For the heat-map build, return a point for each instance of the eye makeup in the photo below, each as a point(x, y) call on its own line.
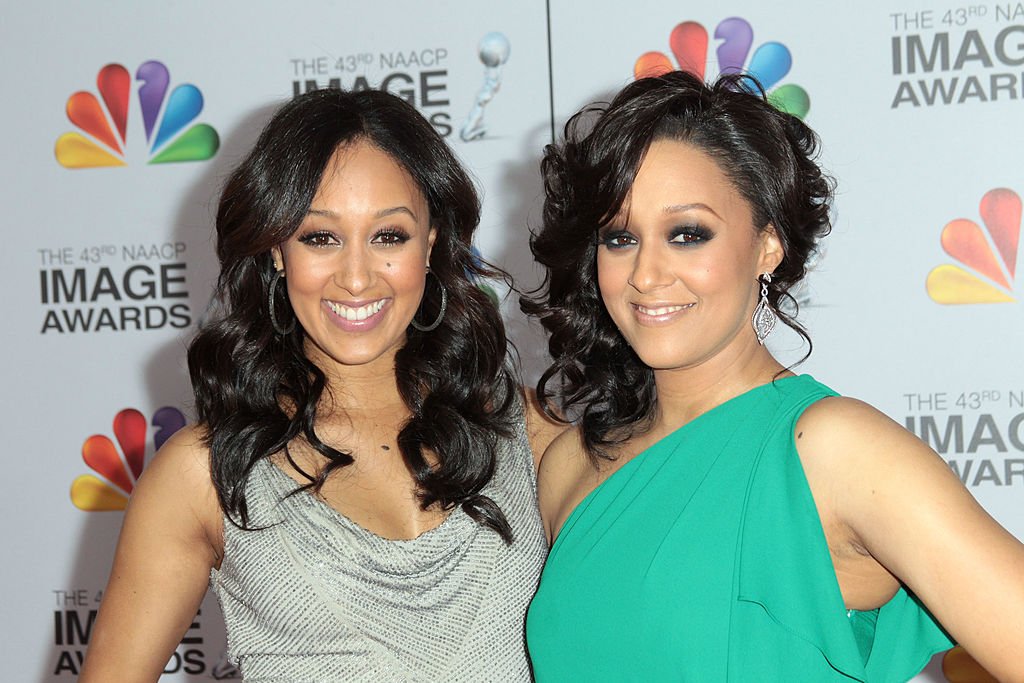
point(318, 238)
point(615, 238)
point(690, 234)
point(388, 236)
point(391, 236)
point(680, 235)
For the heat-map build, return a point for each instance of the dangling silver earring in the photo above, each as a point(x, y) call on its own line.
point(281, 330)
point(440, 314)
point(764, 317)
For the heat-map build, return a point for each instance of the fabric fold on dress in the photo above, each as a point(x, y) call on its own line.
point(780, 522)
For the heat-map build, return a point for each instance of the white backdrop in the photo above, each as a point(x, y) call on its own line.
point(109, 268)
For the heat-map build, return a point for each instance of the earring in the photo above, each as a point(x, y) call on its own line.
point(440, 314)
point(282, 331)
point(764, 317)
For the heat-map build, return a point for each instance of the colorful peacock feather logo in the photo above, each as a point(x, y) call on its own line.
point(166, 120)
point(987, 256)
point(89, 492)
point(769, 64)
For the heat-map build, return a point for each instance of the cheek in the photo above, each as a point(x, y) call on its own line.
point(719, 271)
point(612, 277)
point(308, 275)
point(707, 278)
point(405, 272)
point(728, 286)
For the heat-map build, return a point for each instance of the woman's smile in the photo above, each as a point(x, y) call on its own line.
point(657, 314)
point(357, 316)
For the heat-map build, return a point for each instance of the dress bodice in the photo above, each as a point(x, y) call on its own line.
point(312, 596)
point(703, 559)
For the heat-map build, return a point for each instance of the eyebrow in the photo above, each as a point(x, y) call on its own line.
point(679, 208)
point(383, 213)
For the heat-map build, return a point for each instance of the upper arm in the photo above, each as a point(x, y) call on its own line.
point(915, 517)
point(170, 538)
point(540, 428)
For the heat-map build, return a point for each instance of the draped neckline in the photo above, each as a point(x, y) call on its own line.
point(667, 440)
point(283, 479)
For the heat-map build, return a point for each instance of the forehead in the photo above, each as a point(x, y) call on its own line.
point(674, 174)
point(359, 174)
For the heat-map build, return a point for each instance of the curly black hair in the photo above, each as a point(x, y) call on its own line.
point(768, 155)
point(456, 380)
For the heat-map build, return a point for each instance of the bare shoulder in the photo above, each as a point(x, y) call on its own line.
point(178, 478)
point(856, 457)
point(540, 427)
point(182, 464)
point(837, 416)
point(566, 475)
point(848, 438)
point(564, 456)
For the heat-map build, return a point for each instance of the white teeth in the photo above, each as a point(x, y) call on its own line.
point(359, 313)
point(664, 310)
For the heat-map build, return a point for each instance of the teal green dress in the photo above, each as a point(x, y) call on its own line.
point(703, 559)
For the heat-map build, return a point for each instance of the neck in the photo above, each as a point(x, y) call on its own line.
point(357, 392)
point(686, 393)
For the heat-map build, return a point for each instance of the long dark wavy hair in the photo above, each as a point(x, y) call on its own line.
point(456, 379)
point(768, 155)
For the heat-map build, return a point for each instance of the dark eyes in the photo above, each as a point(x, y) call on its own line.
point(690, 234)
point(391, 236)
point(318, 239)
point(616, 239)
point(385, 237)
point(681, 235)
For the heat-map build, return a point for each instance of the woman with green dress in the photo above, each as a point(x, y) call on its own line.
point(713, 516)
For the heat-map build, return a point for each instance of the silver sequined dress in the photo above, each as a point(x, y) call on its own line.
point(315, 597)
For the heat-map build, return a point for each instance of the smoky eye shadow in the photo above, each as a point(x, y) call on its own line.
point(698, 231)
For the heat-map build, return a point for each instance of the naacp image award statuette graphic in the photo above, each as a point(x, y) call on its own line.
point(494, 52)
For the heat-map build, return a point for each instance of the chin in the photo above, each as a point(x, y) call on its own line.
point(348, 354)
point(664, 359)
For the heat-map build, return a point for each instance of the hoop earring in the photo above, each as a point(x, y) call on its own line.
point(440, 314)
point(764, 317)
point(282, 331)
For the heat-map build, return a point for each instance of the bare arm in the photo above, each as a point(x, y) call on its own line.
point(170, 539)
point(911, 513)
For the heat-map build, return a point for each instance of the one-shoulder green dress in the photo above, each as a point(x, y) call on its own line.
point(703, 559)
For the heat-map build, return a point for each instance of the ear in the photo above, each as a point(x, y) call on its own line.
point(431, 238)
point(771, 251)
point(278, 258)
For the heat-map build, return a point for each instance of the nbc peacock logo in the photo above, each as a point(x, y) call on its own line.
point(119, 470)
point(986, 256)
point(167, 118)
point(769, 63)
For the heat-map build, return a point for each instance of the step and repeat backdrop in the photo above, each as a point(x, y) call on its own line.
point(126, 117)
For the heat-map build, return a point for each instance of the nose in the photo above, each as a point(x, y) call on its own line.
point(354, 272)
point(650, 269)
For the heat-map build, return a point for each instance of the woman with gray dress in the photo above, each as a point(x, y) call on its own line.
point(359, 489)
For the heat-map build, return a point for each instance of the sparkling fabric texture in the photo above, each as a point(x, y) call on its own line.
point(316, 597)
